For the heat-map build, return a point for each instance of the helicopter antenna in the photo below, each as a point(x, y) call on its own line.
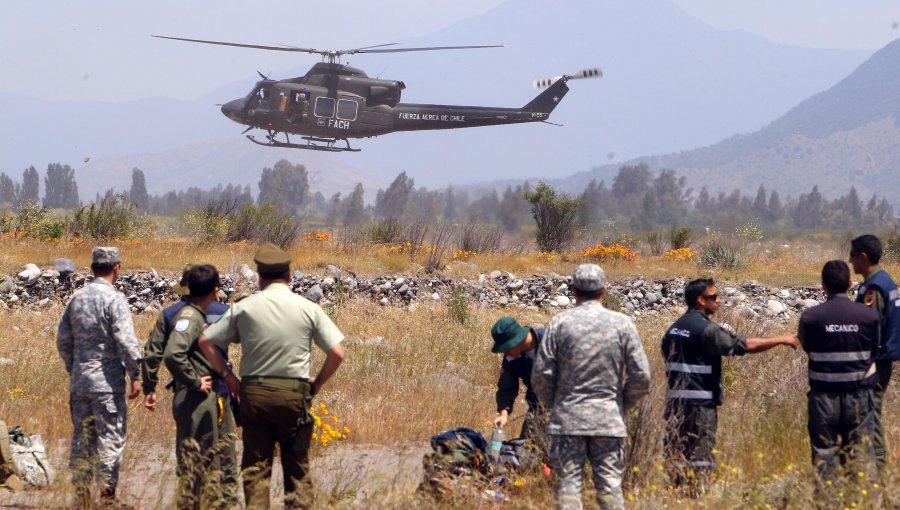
point(263, 76)
point(381, 72)
point(333, 56)
point(594, 72)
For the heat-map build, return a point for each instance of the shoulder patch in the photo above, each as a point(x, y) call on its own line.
point(182, 325)
point(869, 298)
point(187, 312)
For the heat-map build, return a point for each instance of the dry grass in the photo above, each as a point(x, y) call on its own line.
point(412, 373)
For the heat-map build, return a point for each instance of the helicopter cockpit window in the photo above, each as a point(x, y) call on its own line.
point(347, 109)
point(263, 94)
point(324, 107)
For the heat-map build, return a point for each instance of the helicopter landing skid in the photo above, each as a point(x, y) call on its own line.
point(309, 145)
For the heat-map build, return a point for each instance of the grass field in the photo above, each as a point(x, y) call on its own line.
point(413, 373)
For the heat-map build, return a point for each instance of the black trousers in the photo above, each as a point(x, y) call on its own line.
point(690, 440)
point(841, 428)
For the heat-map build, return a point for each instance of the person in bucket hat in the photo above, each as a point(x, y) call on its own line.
point(519, 345)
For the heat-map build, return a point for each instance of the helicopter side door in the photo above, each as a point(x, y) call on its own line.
point(335, 114)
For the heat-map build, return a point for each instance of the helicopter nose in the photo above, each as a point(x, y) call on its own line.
point(233, 109)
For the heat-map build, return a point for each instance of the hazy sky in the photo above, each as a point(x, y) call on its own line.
point(101, 49)
point(844, 24)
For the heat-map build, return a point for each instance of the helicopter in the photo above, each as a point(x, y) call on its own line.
point(334, 102)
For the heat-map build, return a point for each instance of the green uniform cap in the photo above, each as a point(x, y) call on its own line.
point(507, 333)
point(272, 259)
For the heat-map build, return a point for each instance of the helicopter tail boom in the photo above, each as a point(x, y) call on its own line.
point(547, 100)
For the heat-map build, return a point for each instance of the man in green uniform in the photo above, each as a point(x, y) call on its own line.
point(208, 475)
point(156, 341)
point(879, 292)
point(276, 329)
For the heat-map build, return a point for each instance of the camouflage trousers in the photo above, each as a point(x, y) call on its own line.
point(98, 439)
point(567, 457)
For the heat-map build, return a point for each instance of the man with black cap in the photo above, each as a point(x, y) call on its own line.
point(207, 478)
point(98, 346)
point(519, 347)
point(156, 341)
point(590, 369)
point(276, 329)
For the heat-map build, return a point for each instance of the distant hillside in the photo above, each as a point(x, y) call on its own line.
point(210, 162)
point(847, 135)
point(671, 82)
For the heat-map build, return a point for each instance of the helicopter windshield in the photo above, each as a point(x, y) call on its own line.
point(260, 93)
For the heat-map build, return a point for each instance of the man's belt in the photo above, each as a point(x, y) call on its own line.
point(279, 383)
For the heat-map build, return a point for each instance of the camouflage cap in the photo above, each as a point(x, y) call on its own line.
point(589, 278)
point(272, 259)
point(105, 255)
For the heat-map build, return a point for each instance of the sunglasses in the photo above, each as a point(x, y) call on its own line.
point(711, 297)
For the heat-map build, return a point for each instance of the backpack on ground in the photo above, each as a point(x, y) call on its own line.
point(457, 463)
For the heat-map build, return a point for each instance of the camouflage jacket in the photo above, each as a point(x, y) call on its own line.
point(96, 340)
point(590, 368)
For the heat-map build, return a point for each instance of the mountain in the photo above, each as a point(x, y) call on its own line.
point(206, 163)
point(846, 135)
point(671, 82)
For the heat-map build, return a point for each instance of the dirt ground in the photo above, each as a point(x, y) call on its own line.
point(147, 481)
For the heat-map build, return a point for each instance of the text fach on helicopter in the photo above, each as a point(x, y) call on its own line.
point(335, 102)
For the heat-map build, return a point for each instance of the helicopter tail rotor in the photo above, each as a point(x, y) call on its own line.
point(593, 72)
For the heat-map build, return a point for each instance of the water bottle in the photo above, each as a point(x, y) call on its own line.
point(497, 438)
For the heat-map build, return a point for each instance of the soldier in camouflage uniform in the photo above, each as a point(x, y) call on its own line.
point(591, 367)
point(208, 477)
point(98, 346)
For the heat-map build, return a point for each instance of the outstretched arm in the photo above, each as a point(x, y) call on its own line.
point(755, 345)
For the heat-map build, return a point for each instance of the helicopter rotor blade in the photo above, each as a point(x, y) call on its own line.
point(239, 45)
point(331, 54)
point(593, 72)
point(426, 48)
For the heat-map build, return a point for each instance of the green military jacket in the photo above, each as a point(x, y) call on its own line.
point(182, 355)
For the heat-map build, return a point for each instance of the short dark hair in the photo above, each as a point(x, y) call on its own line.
point(695, 289)
point(278, 275)
point(102, 269)
point(202, 280)
point(868, 244)
point(587, 295)
point(836, 276)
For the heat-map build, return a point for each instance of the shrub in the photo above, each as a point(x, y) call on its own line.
point(717, 252)
point(556, 217)
point(458, 306)
point(680, 237)
point(386, 231)
point(438, 246)
point(112, 217)
point(475, 237)
point(220, 221)
point(33, 221)
point(264, 224)
point(655, 241)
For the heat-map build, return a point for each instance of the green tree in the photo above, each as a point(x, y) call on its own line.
point(354, 208)
point(391, 203)
point(31, 184)
point(513, 208)
point(138, 193)
point(285, 186)
point(60, 188)
point(556, 217)
point(8, 190)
